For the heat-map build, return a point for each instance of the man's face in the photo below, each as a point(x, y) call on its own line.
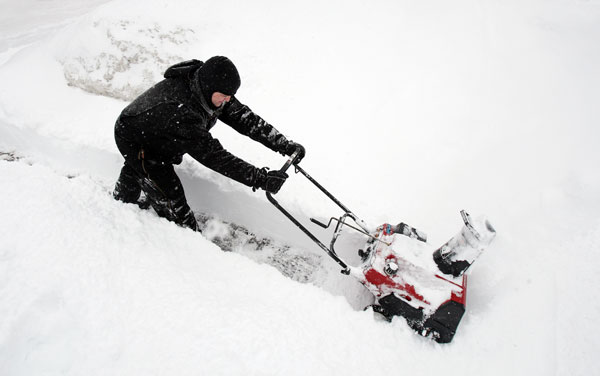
point(219, 98)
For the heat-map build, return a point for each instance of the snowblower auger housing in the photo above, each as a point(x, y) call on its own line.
point(408, 278)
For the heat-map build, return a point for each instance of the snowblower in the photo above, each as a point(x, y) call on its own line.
point(409, 278)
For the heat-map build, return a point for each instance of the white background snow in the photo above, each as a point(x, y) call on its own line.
point(409, 111)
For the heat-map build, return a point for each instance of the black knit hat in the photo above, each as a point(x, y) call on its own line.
point(219, 74)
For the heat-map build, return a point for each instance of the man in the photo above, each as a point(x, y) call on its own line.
point(173, 118)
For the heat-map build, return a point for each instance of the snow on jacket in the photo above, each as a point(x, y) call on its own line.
point(173, 118)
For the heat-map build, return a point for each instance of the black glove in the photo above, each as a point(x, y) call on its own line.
point(270, 181)
point(292, 147)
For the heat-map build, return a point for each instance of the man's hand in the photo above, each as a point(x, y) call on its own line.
point(270, 181)
point(292, 147)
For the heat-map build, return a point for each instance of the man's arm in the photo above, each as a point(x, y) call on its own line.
point(201, 146)
point(213, 155)
point(241, 118)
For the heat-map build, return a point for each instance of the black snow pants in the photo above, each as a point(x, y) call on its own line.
point(157, 180)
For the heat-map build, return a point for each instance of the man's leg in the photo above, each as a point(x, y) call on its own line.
point(162, 188)
point(160, 184)
point(165, 193)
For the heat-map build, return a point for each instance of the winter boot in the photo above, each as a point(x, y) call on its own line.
point(127, 188)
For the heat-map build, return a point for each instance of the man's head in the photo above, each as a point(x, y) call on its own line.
point(219, 76)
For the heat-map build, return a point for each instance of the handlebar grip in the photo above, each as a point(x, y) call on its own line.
point(290, 161)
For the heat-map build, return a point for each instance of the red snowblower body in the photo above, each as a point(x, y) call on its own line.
point(427, 286)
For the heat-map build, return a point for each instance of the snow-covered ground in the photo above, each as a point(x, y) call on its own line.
point(409, 111)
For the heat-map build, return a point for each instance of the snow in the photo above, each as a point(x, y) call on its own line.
point(409, 111)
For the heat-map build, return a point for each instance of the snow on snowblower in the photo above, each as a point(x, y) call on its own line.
point(409, 278)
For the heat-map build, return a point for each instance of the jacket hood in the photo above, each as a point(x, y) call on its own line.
point(182, 69)
point(191, 70)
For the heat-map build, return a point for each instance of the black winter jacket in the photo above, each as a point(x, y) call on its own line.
point(173, 118)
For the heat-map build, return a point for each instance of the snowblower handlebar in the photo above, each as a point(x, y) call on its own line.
point(291, 160)
point(347, 213)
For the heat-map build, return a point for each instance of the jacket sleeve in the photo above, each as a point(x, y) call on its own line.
point(241, 118)
point(208, 150)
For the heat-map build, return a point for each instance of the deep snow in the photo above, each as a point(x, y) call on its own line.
point(410, 111)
